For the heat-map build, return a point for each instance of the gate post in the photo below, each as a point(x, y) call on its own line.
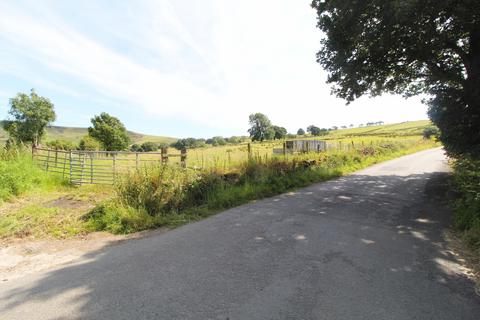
point(183, 158)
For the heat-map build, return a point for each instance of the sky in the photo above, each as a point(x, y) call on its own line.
point(181, 68)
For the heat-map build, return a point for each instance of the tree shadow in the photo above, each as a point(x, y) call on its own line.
point(358, 247)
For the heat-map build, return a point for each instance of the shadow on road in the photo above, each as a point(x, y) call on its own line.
point(375, 241)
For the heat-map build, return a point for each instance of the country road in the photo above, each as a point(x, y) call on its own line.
point(365, 246)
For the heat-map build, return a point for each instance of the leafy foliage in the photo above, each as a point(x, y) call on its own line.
point(279, 132)
point(30, 114)
point(109, 131)
point(188, 143)
point(430, 132)
point(300, 132)
point(467, 206)
point(260, 127)
point(149, 146)
point(89, 143)
point(216, 141)
point(316, 131)
point(410, 48)
point(61, 145)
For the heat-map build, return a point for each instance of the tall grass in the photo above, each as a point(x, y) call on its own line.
point(167, 195)
point(19, 174)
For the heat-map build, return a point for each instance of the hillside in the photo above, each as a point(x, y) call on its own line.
point(75, 134)
point(409, 128)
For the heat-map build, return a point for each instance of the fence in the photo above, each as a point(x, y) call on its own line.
point(99, 167)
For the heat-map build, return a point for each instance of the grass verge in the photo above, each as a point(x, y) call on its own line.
point(167, 196)
point(19, 175)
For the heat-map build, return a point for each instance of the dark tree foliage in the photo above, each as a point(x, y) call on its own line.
point(136, 148)
point(29, 117)
point(409, 47)
point(430, 132)
point(300, 132)
point(316, 131)
point(260, 127)
point(279, 132)
point(216, 141)
point(149, 146)
point(109, 131)
point(188, 143)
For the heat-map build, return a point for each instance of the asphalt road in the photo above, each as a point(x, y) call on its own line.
point(365, 246)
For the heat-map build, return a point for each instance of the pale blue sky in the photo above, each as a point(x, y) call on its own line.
point(178, 67)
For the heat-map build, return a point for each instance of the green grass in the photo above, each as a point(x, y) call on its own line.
point(19, 175)
point(37, 221)
point(170, 196)
point(409, 128)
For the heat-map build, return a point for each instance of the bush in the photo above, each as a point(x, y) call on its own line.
point(467, 206)
point(149, 146)
point(90, 144)
point(61, 145)
point(430, 132)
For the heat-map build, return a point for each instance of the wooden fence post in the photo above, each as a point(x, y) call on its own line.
point(64, 164)
point(183, 158)
point(249, 150)
point(136, 160)
point(82, 167)
point(91, 168)
point(70, 163)
point(284, 148)
point(114, 167)
point(164, 155)
point(48, 160)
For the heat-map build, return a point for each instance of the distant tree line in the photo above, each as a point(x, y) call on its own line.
point(31, 114)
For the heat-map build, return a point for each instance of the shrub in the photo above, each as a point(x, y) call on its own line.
point(61, 145)
point(430, 132)
point(467, 206)
point(89, 143)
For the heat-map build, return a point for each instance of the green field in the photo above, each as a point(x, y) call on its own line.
point(74, 135)
point(409, 128)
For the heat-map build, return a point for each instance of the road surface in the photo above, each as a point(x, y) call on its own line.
point(366, 246)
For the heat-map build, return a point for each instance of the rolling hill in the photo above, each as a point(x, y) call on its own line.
point(409, 128)
point(75, 134)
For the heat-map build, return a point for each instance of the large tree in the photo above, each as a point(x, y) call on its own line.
point(409, 47)
point(260, 127)
point(316, 131)
point(109, 131)
point(29, 117)
point(279, 132)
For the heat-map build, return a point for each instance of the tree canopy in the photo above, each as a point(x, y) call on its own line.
point(300, 132)
point(316, 131)
point(260, 127)
point(30, 115)
point(279, 132)
point(109, 131)
point(410, 47)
